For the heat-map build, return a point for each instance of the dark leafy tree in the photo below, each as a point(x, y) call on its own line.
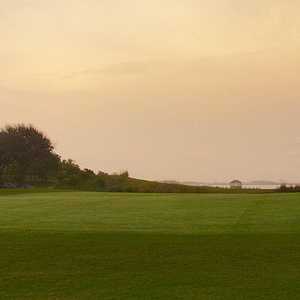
point(71, 176)
point(26, 156)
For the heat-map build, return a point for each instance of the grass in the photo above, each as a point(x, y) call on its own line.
point(76, 245)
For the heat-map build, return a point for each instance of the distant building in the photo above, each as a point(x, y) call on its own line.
point(236, 184)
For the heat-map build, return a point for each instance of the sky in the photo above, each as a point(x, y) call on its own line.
point(194, 90)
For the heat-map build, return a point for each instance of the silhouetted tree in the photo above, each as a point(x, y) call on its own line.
point(69, 174)
point(26, 156)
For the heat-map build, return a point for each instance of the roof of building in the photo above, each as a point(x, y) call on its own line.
point(235, 182)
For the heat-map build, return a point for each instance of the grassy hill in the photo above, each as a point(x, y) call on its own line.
point(113, 246)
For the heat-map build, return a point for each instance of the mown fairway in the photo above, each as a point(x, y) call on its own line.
point(64, 246)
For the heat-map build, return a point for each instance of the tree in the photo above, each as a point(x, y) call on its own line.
point(69, 174)
point(26, 156)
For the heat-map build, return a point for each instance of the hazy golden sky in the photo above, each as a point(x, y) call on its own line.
point(189, 90)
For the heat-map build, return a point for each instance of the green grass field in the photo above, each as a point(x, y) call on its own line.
point(75, 245)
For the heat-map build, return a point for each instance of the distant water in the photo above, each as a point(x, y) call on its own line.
point(250, 186)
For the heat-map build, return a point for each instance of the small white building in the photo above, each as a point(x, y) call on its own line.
point(236, 184)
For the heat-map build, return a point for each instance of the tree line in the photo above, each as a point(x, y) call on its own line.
point(28, 159)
